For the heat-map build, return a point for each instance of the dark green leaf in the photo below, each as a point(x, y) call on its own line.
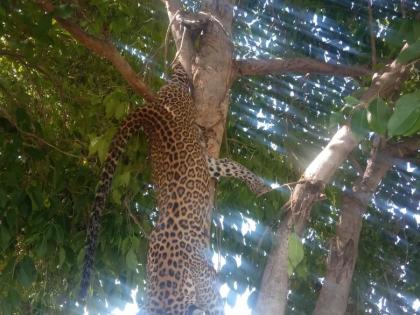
point(25, 271)
point(406, 114)
point(63, 11)
point(4, 236)
point(378, 115)
point(131, 260)
point(359, 123)
point(411, 53)
point(295, 250)
point(61, 256)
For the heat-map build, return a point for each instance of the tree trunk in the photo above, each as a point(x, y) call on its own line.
point(315, 177)
point(275, 273)
point(343, 248)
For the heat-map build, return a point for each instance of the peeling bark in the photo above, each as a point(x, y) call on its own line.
point(317, 175)
point(294, 65)
point(343, 247)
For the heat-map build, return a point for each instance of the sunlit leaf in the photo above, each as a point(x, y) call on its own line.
point(295, 250)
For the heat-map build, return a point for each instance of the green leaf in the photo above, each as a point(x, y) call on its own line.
point(295, 251)
point(101, 144)
point(35, 194)
point(405, 116)
point(3, 198)
point(336, 118)
point(359, 123)
point(351, 101)
point(411, 53)
point(25, 271)
point(61, 256)
point(116, 196)
point(13, 297)
point(378, 115)
point(116, 103)
point(131, 260)
point(63, 11)
point(4, 237)
point(81, 256)
point(22, 118)
point(122, 180)
point(414, 129)
point(41, 250)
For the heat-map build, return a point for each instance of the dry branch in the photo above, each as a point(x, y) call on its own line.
point(103, 49)
point(183, 42)
point(294, 65)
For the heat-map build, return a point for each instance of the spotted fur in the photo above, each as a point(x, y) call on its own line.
point(228, 168)
point(181, 279)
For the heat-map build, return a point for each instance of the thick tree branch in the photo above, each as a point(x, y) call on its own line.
point(344, 246)
point(103, 49)
point(294, 65)
point(315, 177)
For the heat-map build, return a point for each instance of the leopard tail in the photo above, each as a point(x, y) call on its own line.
point(142, 117)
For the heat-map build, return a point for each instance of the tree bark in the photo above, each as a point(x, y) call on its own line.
point(343, 247)
point(275, 273)
point(294, 65)
point(315, 177)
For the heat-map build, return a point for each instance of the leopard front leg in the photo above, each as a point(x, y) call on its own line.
point(228, 168)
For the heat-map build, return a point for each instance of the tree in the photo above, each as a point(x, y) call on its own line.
point(60, 105)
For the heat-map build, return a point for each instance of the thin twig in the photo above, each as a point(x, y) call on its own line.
point(165, 51)
point(180, 46)
point(137, 222)
point(34, 136)
point(372, 33)
point(302, 181)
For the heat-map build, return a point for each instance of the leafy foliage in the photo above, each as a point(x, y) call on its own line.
point(60, 106)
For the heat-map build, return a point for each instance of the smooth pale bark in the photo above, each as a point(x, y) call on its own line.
point(343, 247)
point(275, 273)
point(294, 65)
point(315, 177)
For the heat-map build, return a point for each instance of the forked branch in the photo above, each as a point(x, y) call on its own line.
point(103, 49)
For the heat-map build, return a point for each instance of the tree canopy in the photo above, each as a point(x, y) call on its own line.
point(60, 105)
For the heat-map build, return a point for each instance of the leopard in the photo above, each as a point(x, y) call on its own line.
point(180, 277)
